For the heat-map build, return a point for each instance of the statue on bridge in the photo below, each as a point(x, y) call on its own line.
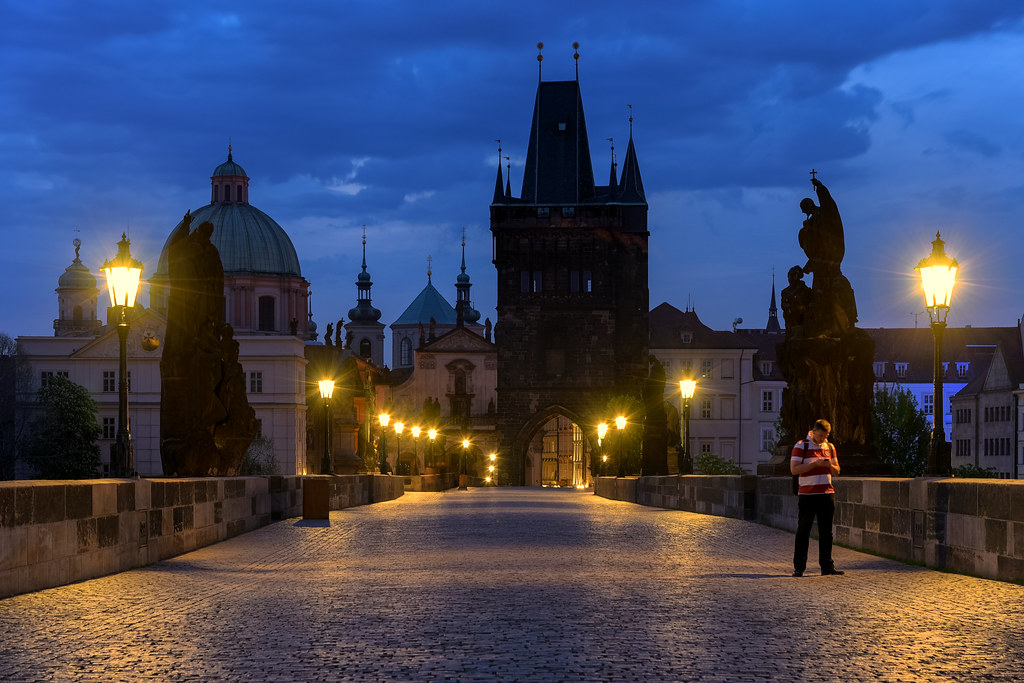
point(825, 359)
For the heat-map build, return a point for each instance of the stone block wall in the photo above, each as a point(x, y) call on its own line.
point(57, 532)
point(975, 526)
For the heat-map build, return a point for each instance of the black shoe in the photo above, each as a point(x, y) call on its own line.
point(798, 572)
point(832, 572)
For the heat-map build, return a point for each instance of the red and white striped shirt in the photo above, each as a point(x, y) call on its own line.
point(819, 478)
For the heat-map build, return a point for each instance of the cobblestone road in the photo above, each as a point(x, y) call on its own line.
point(515, 584)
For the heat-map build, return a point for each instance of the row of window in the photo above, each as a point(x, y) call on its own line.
point(532, 282)
point(227, 193)
point(901, 369)
point(110, 380)
point(963, 416)
point(998, 414)
point(999, 446)
point(706, 368)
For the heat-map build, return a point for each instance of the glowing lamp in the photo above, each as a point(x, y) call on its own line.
point(326, 388)
point(123, 274)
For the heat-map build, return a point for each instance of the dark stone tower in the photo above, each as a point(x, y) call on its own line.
point(571, 261)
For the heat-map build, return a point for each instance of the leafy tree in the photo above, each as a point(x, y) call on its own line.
point(901, 431)
point(972, 471)
point(709, 463)
point(8, 394)
point(260, 458)
point(61, 442)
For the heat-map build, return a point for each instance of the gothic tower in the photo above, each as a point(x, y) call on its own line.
point(364, 320)
point(571, 261)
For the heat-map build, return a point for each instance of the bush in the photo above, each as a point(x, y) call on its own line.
point(901, 431)
point(971, 471)
point(259, 459)
point(709, 463)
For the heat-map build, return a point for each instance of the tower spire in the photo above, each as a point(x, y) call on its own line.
point(463, 305)
point(364, 311)
point(576, 58)
point(540, 61)
point(773, 311)
point(498, 192)
point(612, 182)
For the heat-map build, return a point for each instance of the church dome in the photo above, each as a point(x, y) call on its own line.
point(229, 168)
point(249, 241)
point(77, 276)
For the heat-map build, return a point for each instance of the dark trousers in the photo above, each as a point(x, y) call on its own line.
point(823, 507)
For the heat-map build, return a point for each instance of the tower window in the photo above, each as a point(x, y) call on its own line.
point(238, 193)
point(364, 348)
point(405, 352)
point(216, 193)
point(267, 314)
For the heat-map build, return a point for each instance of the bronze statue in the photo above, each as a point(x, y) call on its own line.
point(327, 334)
point(337, 334)
point(206, 423)
point(825, 360)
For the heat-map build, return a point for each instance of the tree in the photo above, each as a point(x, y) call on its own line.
point(61, 442)
point(709, 463)
point(260, 459)
point(972, 471)
point(901, 431)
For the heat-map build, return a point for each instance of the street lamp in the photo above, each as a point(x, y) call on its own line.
point(326, 391)
point(399, 426)
point(382, 450)
point(463, 477)
point(493, 457)
point(123, 278)
point(620, 424)
point(432, 434)
point(595, 470)
point(416, 447)
point(686, 389)
point(938, 275)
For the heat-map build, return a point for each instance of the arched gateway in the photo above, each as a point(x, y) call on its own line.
point(571, 260)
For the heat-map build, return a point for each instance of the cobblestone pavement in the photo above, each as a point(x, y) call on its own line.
point(515, 584)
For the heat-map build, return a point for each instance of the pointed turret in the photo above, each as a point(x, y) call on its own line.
point(558, 168)
point(499, 195)
point(632, 184)
point(364, 326)
point(364, 312)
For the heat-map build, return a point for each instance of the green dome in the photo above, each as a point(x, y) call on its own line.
point(76, 276)
point(229, 168)
point(249, 241)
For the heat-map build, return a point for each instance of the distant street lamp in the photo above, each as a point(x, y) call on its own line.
point(326, 392)
point(416, 447)
point(463, 477)
point(399, 426)
point(620, 424)
point(597, 470)
point(382, 450)
point(687, 387)
point(938, 275)
point(491, 476)
point(124, 275)
point(432, 434)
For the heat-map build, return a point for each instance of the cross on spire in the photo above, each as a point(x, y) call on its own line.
point(813, 174)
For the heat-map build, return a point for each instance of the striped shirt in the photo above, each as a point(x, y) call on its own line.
point(818, 479)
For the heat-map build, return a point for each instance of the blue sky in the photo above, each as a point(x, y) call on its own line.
point(114, 114)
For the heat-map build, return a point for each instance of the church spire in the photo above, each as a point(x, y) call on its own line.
point(773, 312)
point(499, 194)
point(364, 311)
point(462, 302)
point(612, 182)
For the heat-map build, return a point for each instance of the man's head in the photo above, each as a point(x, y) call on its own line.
point(807, 205)
point(821, 430)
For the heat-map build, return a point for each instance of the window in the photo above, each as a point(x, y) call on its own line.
point(901, 369)
point(879, 369)
point(767, 401)
point(238, 193)
point(364, 348)
point(928, 401)
point(256, 382)
point(568, 211)
point(109, 380)
point(405, 352)
point(705, 448)
point(109, 428)
point(963, 448)
point(705, 369)
point(686, 337)
point(216, 193)
point(767, 439)
point(227, 193)
point(46, 375)
point(687, 366)
point(536, 283)
point(580, 281)
point(961, 369)
point(766, 367)
point(705, 408)
point(543, 212)
point(267, 314)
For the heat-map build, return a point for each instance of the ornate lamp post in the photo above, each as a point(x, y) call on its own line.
point(382, 449)
point(686, 389)
point(938, 275)
point(491, 476)
point(416, 447)
point(399, 428)
point(123, 278)
point(326, 392)
point(620, 424)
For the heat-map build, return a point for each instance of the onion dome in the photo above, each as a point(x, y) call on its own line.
point(77, 276)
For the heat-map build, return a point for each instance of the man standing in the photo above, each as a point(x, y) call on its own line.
point(815, 460)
